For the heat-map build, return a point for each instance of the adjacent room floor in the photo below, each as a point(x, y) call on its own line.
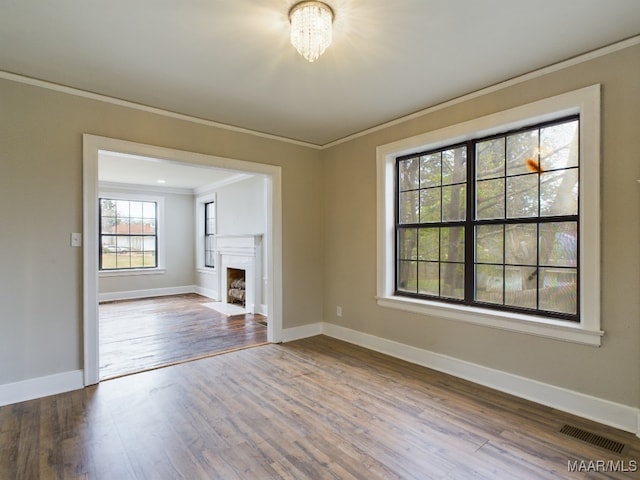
point(139, 335)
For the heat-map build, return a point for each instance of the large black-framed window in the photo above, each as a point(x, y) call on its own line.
point(493, 221)
point(209, 234)
point(128, 234)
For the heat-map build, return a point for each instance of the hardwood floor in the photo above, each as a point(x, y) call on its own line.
point(312, 409)
point(138, 335)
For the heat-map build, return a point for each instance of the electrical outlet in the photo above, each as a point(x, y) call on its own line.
point(339, 311)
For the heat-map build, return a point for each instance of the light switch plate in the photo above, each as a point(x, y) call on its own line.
point(76, 239)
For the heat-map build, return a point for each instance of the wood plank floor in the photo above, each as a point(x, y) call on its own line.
point(312, 409)
point(138, 335)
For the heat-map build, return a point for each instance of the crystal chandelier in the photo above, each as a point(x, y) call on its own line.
point(311, 28)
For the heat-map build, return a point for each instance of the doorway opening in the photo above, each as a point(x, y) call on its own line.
point(93, 147)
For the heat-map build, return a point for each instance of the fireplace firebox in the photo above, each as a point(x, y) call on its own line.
point(236, 286)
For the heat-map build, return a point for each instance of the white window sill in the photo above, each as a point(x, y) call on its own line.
point(527, 324)
point(131, 272)
point(207, 270)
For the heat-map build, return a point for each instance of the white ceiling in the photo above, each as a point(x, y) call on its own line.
point(114, 167)
point(230, 61)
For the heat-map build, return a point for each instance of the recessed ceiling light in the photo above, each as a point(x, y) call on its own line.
point(161, 181)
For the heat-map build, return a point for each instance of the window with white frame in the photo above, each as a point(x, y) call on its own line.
point(209, 234)
point(495, 221)
point(206, 230)
point(128, 232)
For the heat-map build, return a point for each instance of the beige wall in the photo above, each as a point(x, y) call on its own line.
point(329, 230)
point(41, 204)
point(610, 372)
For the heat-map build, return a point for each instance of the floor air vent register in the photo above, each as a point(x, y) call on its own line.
point(592, 438)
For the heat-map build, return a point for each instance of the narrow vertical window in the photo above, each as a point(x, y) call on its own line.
point(209, 234)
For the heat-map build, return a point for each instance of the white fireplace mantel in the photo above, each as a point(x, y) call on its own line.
point(242, 252)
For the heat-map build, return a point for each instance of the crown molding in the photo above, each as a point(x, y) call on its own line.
point(179, 116)
point(585, 57)
point(14, 77)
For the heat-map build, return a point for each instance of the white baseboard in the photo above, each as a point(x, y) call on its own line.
point(599, 410)
point(207, 292)
point(151, 292)
point(41, 387)
point(296, 333)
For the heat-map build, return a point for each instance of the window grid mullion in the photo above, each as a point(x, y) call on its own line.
point(537, 271)
point(440, 231)
point(469, 230)
point(504, 228)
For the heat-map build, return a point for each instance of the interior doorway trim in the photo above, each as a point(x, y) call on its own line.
point(92, 145)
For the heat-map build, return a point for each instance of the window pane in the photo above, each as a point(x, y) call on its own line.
point(428, 278)
point(558, 290)
point(149, 210)
point(149, 227)
point(148, 244)
point(108, 224)
point(135, 209)
point(209, 242)
point(209, 258)
point(559, 146)
point(559, 244)
point(149, 259)
point(407, 276)
point(430, 170)
point(490, 199)
point(408, 244)
point(490, 159)
point(408, 177)
point(520, 287)
point(452, 280)
point(122, 244)
point(521, 243)
point(429, 244)
point(454, 166)
point(136, 226)
point(209, 251)
point(521, 148)
point(452, 244)
point(107, 207)
point(522, 196)
point(122, 207)
point(454, 203)
point(123, 260)
point(489, 283)
point(490, 244)
point(122, 225)
point(409, 207)
point(209, 218)
point(430, 205)
point(559, 193)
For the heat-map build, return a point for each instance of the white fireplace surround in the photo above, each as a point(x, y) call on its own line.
point(243, 252)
